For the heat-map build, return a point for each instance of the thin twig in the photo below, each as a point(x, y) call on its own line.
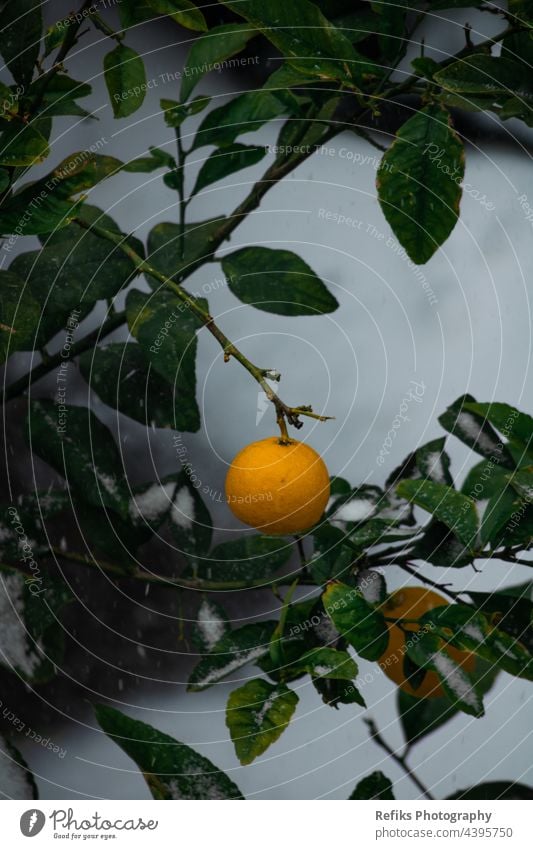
point(399, 759)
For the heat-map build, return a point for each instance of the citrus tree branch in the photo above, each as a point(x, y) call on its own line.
point(399, 759)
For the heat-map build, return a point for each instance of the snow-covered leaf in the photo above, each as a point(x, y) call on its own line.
point(329, 663)
point(357, 506)
point(371, 585)
point(16, 780)
point(475, 431)
point(171, 769)
point(430, 653)
point(31, 640)
point(256, 715)
point(190, 521)
point(434, 463)
point(236, 649)
point(210, 626)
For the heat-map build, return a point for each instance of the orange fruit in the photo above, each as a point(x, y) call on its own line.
point(278, 487)
point(412, 603)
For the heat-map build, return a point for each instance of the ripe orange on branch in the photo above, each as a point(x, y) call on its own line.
point(412, 603)
point(278, 486)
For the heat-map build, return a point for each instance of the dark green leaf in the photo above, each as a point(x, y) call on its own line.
point(166, 331)
point(508, 612)
point(333, 692)
point(330, 559)
point(455, 510)
point(124, 379)
point(72, 272)
point(507, 790)
point(481, 74)
point(419, 182)
point(500, 509)
point(81, 449)
point(374, 786)
point(306, 39)
point(183, 12)
point(434, 463)
point(125, 78)
point(475, 431)
point(276, 281)
point(256, 715)
point(441, 547)
point(20, 316)
point(235, 650)
point(110, 537)
point(362, 626)
point(227, 161)
point(252, 557)
point(21, 144)
point(216, 46)
point(176, 113)
point(171, 769)
point(49, 204)
point(55, 35)
point(244, 114)
point(164, 245)
point(20, 37)
point(470, 630)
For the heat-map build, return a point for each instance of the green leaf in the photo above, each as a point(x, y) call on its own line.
point(429, 653)
point(227, 161)
point(211, 625)
point(252, 557)
point(333, 692)
point(481, 74)
point(359, 505)
point(455, 510)
point(123, 378)
point(257, 714)
point(81, 449)
point(508, 790)
point(176, 113)
point(244, 114)
point(498, 512)
point(306, 39)
point(374, 786)
point(441, 547)
point(20, 37)
point(183, 12)
point(419, 182)
point(108, 536)
point(235, 650)
point(55, 35)
point(469, 630)
point(125, 79)
point(509, 612)
point(72, 273)
point(20, 316)
point(32, 639)
point(420, 717)
point(359, 623)
point(476, 432)
point(329, 663)
point(171, 769)
point(21, 145)
point(164, 246)
point(62, 88)
point(276, 281)
point(49, 204)
point(166, 331)
point(17, 780)
point(216, 46)
point(330, 559)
